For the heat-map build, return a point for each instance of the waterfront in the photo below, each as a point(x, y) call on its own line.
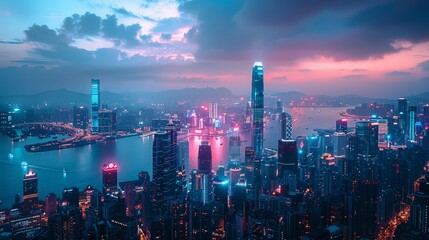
point(134, 154)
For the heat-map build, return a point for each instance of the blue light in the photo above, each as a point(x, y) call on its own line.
point(373, 116)
point(300, 151)
point(388, 136)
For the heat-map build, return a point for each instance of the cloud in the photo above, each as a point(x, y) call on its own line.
point(171, 24)
point(398, 74)
point(88, 24)
point(353, 77)
point(424, 65)
point(166, 36)
point(287, 31)
point(11, 42)
point(43, 34)
point(120, 33)
point(124, 12)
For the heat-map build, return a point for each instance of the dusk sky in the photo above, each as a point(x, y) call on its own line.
point(369, 48)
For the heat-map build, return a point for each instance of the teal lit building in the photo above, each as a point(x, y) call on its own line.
point(95, 104)
point(258, 108)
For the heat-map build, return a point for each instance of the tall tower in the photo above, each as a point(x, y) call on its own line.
point(110, 177)
point(31, 188)
point(95, 104)
point(258, 108)
point(213, 115)
point(412, 122)
point(286, 126)
point(204, 158)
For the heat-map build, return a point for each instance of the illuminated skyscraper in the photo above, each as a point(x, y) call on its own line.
point(287, 157)
point(204, 158)
point(279, 106)
point(367, 139)
point(31, 187)
point(258, 108)
point(412, 123)
point(213, 112)
point(80, 117)
point(341, 125)
point(286, 126)
point(95, 104)
point(110, 177)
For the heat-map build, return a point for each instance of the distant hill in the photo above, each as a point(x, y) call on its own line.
point(67, 97)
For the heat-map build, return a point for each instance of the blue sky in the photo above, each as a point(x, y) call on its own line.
point(336, 47)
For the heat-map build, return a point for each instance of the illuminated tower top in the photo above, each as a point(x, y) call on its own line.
point(110, 176)
point(31, 188)
point(95, 104)
point(258, 108)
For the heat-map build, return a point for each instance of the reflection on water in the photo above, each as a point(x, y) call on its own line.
point(133, 155)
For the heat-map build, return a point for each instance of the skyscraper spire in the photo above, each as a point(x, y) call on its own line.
point(258, 108)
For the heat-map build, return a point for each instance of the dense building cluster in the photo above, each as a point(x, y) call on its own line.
point(351, 182)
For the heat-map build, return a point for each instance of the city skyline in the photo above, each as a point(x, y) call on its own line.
point(325, 49)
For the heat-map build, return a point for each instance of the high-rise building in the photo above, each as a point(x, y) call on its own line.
point(412, 112)
point(71, 196)
point(402, 114)
point(279, 106)
point(287, 158)
point(258, 108)
point(164, 172)
point(367, 139)
point(213, 112)
point(51, 204)
point(340, 143)
point(110, 177)
point(5, 120)
point(66, 224)
point(107, 122)
point(95, 104)
point(31, 187)
point(341, 125)
point(204, 158)
point(286, 121)
point(80, 117)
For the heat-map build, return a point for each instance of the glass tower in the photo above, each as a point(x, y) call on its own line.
point(95, 104)
point(258, 108)
point(286, 125)
point(412, 122)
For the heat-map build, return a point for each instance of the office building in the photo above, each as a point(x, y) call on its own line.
point(287, 158)
point(286, 126)
point(341, 125)
point(31, 187)
point(80, 117)
point(110, 177)
point(107, 122)
point(213, 112)
point(258, 108)
point(95, 105)
point(367, 139)
point(205, 158)
point(279, 106)
point(340, 143)
point(412, 113)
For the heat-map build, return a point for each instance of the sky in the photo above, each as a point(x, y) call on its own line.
point(369, 48)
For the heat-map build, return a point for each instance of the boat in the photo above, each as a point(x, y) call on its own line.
point(64, 171)
point(24, 164)
point(10, 156)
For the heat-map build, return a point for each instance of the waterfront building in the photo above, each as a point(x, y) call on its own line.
point(258, 108)
point(107, 122)
point(110, 177)
point(286, 126)
point(80, 117)
point(95, 105)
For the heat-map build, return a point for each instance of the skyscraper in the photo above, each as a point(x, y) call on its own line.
point(204, 158)
point(367, 139)
point(412, 122)
point(80, 117)
point(31, 187)
point(213, 112)
point(341, 125)
point(95, 104)
point(286, 126)
point(287, 157)
point(279, 106)
point(258, 108)
point(110, 176)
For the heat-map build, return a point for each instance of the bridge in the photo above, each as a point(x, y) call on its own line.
point(52, 124)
